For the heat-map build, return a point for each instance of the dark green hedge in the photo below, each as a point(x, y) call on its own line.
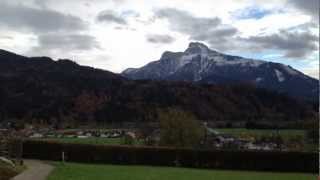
point(163, 156)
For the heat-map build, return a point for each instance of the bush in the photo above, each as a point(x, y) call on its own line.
point(165, 156)
point(128, 140)
point(7, 172)
point(179, 128)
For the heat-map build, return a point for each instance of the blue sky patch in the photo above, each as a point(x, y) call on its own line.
point(251, 13)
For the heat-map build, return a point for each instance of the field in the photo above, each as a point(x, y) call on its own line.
point(73, 171)
point(90, 140)
point(262, 132)
point(286, 134)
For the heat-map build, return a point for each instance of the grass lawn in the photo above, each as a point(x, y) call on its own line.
point(90, 140)
point(73, 171)
point(285, 133)
point(233, 131)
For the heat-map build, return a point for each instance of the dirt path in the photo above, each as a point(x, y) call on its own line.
point(36, 170)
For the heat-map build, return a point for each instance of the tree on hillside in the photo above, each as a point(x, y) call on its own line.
point(88, 103)
point(312, 131)
point(179, 128)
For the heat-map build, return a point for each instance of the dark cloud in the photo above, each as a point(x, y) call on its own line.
point(20, 17)
point(41, 3)
point(109, 16)
point(216, 35)
point(220, 38)
point(185, 22)
point(309, 6)
point(308, 26)
point(160, 39)
point(294, 44)
point(210, 30)
point(52, 43)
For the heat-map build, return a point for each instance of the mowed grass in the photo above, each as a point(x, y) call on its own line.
point(90, 140)
point(285, 133)
point(74, 171)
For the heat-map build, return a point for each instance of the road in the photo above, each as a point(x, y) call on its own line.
point(36, 170)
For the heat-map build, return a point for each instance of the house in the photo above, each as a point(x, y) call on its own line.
point(131, 134)
point(36, 135)
point(224, 138)
point(82, 136)
point(88, 134)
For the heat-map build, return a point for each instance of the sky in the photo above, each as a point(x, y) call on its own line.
point(119, 34)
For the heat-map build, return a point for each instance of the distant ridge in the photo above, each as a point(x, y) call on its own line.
point(200, 64)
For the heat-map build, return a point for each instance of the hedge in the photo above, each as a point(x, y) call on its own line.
point(165, 156)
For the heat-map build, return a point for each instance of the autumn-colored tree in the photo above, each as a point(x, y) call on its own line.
point(88, 103)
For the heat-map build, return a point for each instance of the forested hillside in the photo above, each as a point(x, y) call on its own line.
point(40, 89)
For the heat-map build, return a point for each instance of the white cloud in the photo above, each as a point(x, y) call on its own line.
point(125, 45)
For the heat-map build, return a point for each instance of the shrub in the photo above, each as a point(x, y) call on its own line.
point(179, 128)
point(165, 156)
point(128, 140)
point(7, 171)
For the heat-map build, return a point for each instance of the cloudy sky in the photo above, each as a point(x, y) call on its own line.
point(117, 34)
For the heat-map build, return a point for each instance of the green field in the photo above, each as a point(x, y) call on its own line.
point(91, 140)
point(73, 171)
point(262, 132)
point(238, 132)
point(286, 134)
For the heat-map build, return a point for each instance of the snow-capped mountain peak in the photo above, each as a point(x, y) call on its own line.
point(198, 63)
point(197, 48)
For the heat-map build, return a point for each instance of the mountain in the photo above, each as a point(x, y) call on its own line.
point(42, 90)
point(200, 64)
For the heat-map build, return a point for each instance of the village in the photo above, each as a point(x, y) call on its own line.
point(213, 139)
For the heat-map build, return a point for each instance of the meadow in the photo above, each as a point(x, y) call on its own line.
point(92, 140)
point(75, 171)
point(284, 133)
point(89, 140)
point(238, 132)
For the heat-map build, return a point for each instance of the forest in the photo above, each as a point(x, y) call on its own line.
point(41, 90)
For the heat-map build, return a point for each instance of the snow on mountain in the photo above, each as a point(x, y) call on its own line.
point(280, 76)
point(258, 79)
point(200, 64)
